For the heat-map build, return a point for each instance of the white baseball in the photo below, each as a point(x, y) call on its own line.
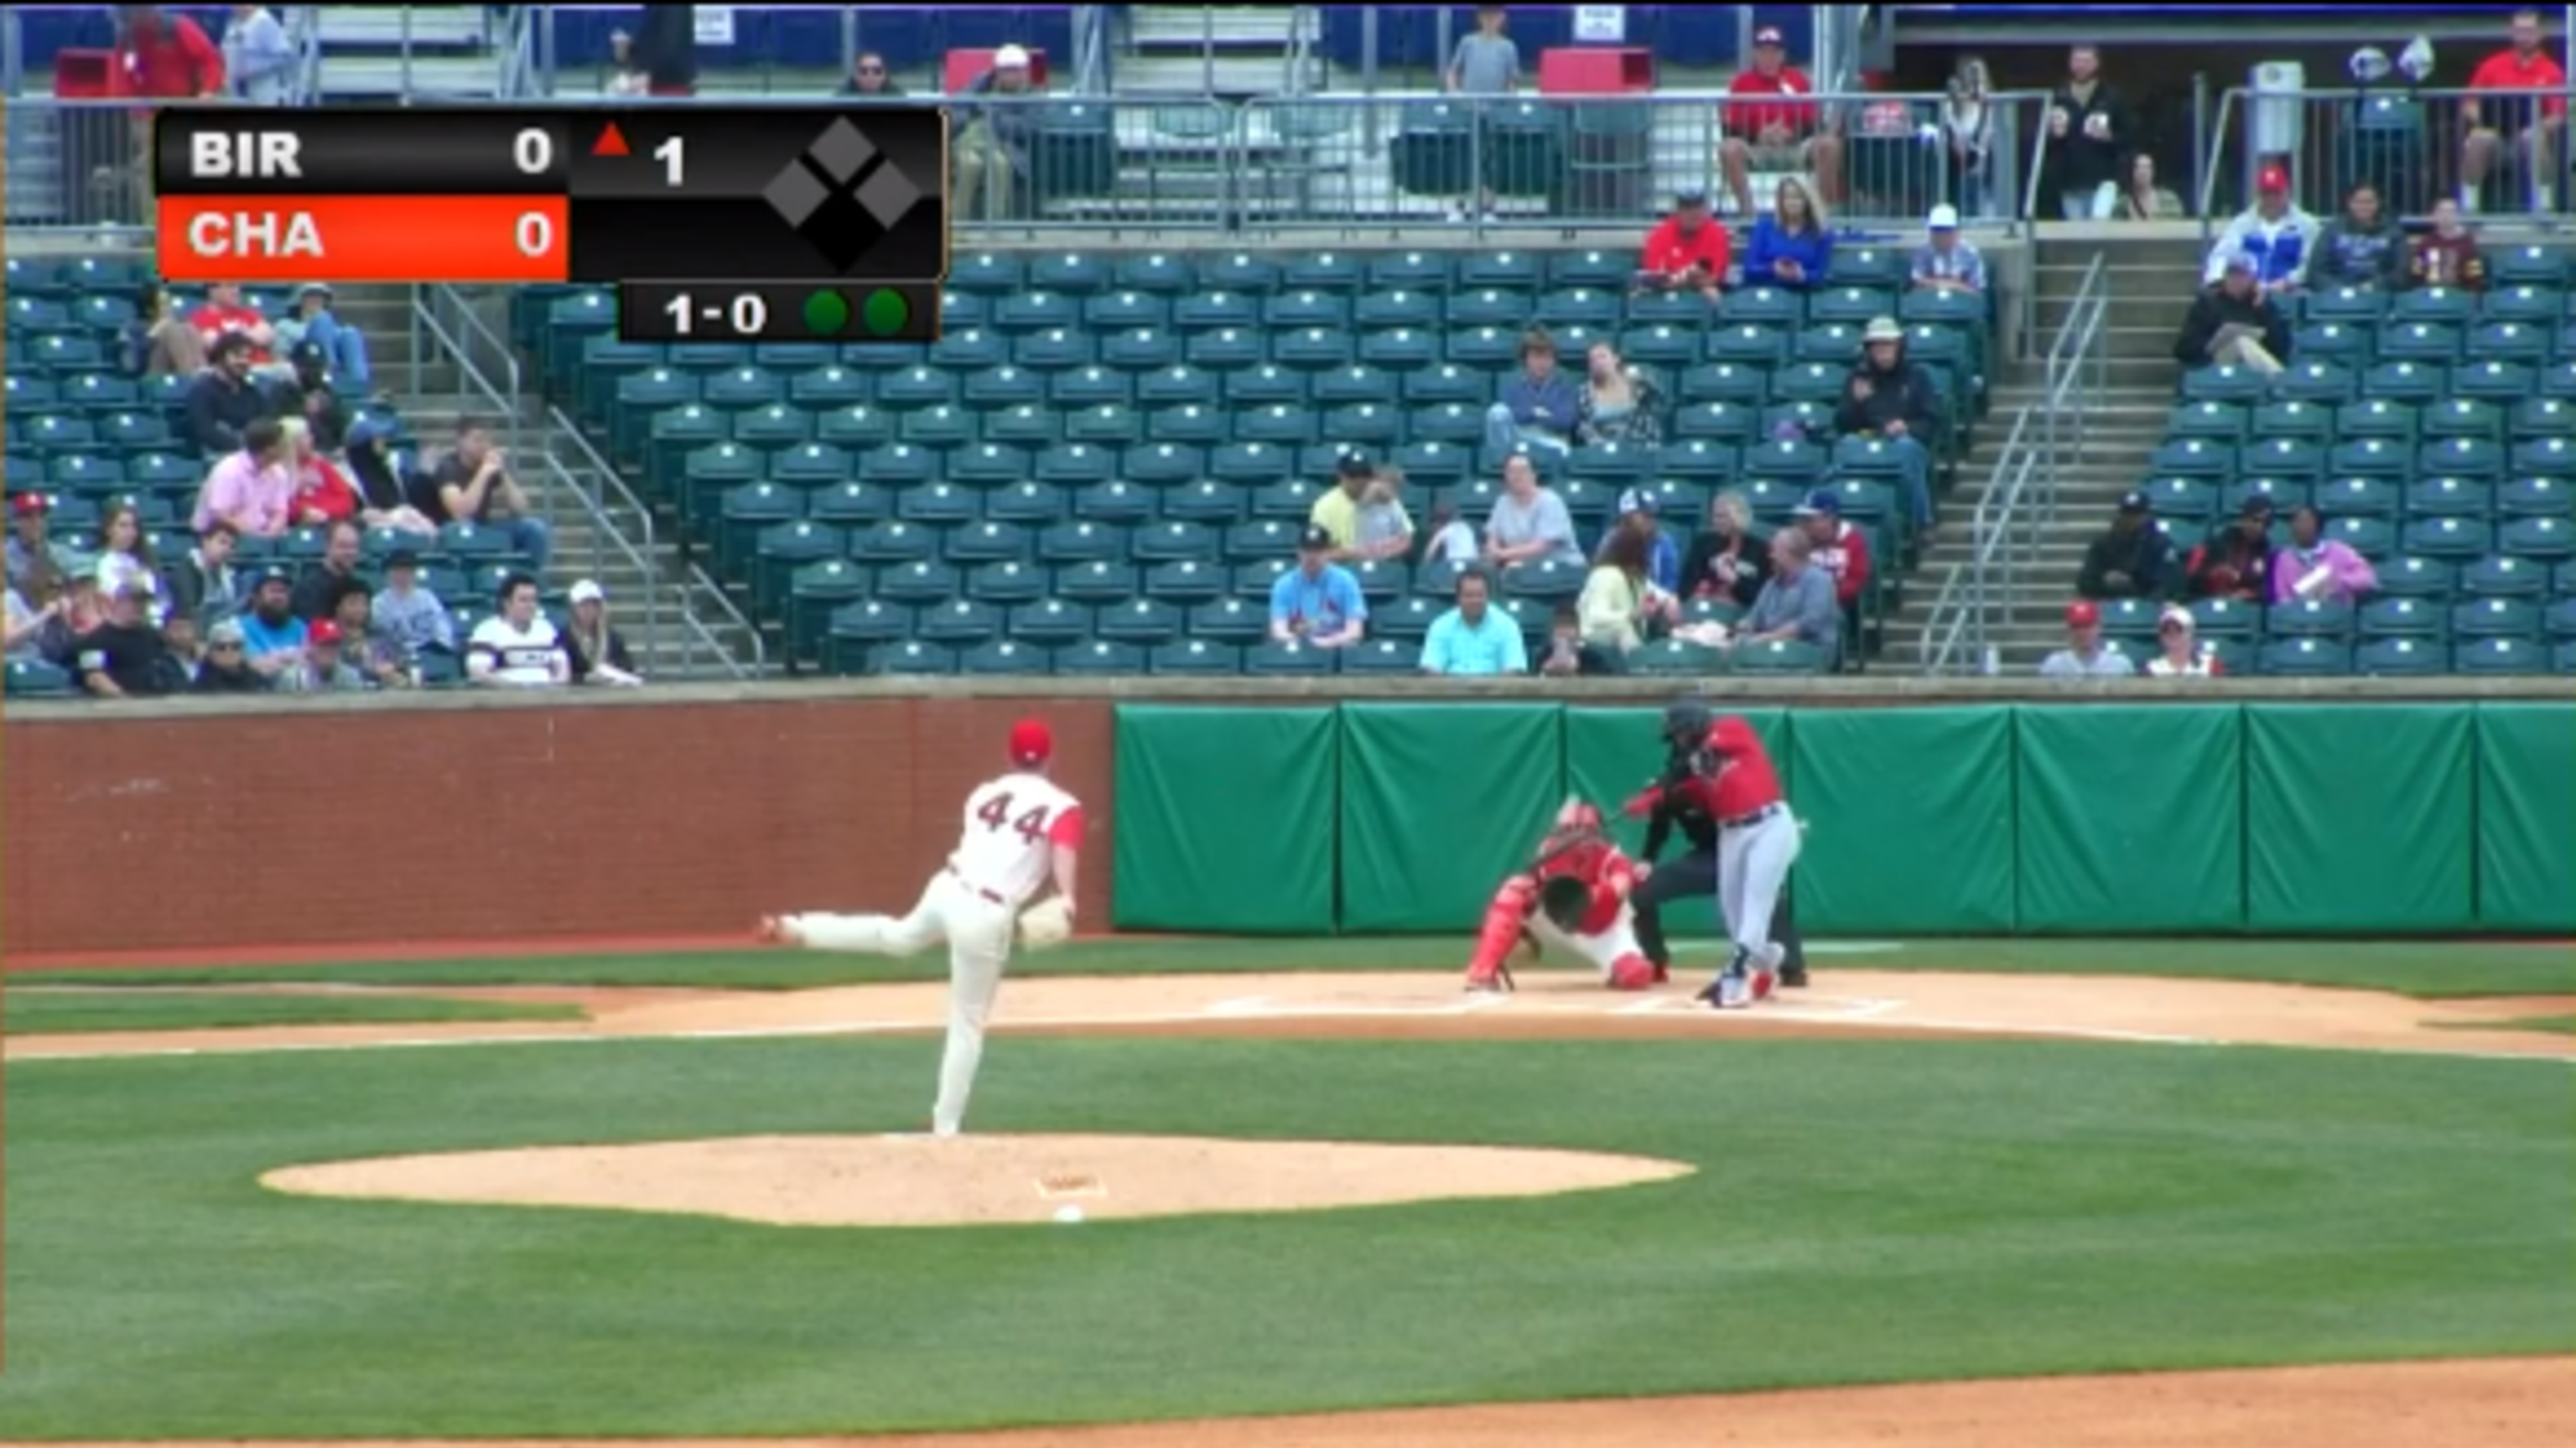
point(1068, 1213)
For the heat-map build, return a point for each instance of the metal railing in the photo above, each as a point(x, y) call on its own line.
point(2021, 496)
point(2414, 145)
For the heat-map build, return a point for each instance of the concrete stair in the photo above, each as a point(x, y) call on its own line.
point(1230, 51)
point(394, 53)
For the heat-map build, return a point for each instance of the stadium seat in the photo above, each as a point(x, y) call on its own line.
point(1188, 582)
point(2305, 657)
point(1778, 656)
point(1006, 657)
point(1295, 659)
point(959, 623)
point(1009, 582)
point(2410, 576)
point(987, 273)
point(1156, 273)
point(2495, 618)
point(1117, 505)
point(36, 679)
point(1101, 657)
point(2404, 618)
point(2310, 618)
point(1675, 657)
point(2505, 577)
point(1048, 623)
point(2501, 655)
point(1383, 657)
point(918, 583)
point(1196, 658)
point(1236, 622)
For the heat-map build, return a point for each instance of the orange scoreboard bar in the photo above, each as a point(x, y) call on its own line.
point(827, 196)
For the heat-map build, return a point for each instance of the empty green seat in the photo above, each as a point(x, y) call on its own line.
point(1005, 579)
point(1048, 623)
point(1196, 658)
point(959, 623)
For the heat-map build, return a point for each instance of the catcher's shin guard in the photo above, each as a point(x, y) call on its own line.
point(1633, 972)
point(1505, 919)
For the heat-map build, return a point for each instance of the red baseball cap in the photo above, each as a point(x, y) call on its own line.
point(28, 504)
point(323, 631)
point(2273, 178)
point(2082, 614)
point(1031, 742)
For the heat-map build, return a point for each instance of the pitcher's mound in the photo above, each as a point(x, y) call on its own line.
point(888, 1181)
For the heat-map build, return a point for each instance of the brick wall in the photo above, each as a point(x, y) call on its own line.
point(378, 825)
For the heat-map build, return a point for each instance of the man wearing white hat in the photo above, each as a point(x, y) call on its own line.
point(1947, 262)
point(992, 142)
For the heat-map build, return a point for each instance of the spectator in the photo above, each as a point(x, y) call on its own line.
point(666, 48)
point(2132, 559)
point(2089, 138)
point(1337, 508)
point(1688, 250)
point(1946, 261)
point(598, 650)
point(2315, 568)
point(2447, 255)
point(1486, 65)
point(2178, 653)
point(224, 314)
point(1450, 539)
point(317, 593)
point(123, 657)
point(324, 667)
point(1317, 602)
point(2538, 125)
point(1540, 405)
point(475, 486)
point(1529, 523)
point(2235, 561)
point(1791, 247)
point(1471, 639)
point(1726, 563)
point(2276, 235)
point(2084, 656)
point(2144, 198)
point(1620, 604)
point(380, 659)
point(251, 488)
point(870, 78)
point(384, 485)
point(991, 139)
point(27, 620)
point(517, 648)
point(273, 632)
point(1386, 529)
point(204, 585)
point(1836, 549)
point(1618, 403)
point(222, 404)
point(227, 669)
point(258, 57)
point(33, 554)
point(156, 342)
point(125, 556)
point(1796, 604)
point(408, 616)
point(1641, 514)
point(181, 652)
point(339, 350)
point(322, 494)
point(1568, 652)
point(1968, 135)
point(1776, 125)
point(158, 58)
point(2361, 247)
point(1889, 396)
point(77, 614)
point(626, 75)
point(2233, 322)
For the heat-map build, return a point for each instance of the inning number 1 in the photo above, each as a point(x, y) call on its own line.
point(668, 153)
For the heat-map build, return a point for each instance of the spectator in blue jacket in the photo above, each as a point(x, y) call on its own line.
point(1639, 513)
point(1540, 404)
point(2274, 234)
point(1791, 246)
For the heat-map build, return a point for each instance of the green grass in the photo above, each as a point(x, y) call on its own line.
point(2554, 1025)
point(1875, 1211)
point(2431, 969)
point(46, 1012)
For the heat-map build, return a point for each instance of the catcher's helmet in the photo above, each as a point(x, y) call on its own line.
point(1687, 721)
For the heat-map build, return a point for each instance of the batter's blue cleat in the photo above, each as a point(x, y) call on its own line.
point(1731, 988)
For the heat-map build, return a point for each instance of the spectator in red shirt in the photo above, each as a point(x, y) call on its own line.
point(2538, 125)
point(1777, 126)
point(1841, 549)
point(1688, 250)
point(162, 58)
point(224, 311)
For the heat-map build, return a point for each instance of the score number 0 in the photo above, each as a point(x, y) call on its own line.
point(533, 151)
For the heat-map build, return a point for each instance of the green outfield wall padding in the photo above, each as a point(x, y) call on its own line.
point(1910, 815)
point(1439, 803)
point(1610, 754)
point(2131, 818)
point(2526, 819)
point(2360, 819)
point(1225, 819)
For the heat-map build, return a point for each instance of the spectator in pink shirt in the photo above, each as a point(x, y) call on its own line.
point(2328, 570)
point(251, 489)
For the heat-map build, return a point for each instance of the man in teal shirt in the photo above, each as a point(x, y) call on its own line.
point(1472, 638)
point(1317, 603)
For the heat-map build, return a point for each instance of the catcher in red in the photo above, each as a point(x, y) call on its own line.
point(1574, 896)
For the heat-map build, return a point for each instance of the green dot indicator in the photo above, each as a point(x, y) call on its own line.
point(826, 314)
point(888, 314)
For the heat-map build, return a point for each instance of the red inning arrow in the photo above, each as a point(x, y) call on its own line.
point(612, 142)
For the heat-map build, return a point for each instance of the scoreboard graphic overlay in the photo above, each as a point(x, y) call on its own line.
point(715, 224)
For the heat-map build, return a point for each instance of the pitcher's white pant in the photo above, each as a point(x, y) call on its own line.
point(1752, 865)
point(978, 932)
point(1603, 950)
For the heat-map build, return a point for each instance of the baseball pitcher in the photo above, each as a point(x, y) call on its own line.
point(1021, 831)
point(1573, 895)
point(1757, 842)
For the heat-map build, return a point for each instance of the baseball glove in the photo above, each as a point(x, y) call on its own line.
point(1047, 923)
point(1565, 900)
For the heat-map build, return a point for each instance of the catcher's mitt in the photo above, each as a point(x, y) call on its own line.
point(1049, 922)
point(1565, 900)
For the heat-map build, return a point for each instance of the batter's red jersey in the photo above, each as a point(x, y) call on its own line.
point(1747, 782)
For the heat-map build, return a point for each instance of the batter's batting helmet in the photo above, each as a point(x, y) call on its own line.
point(1687, 721)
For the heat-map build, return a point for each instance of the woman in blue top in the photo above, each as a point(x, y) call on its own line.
point(1791, 247)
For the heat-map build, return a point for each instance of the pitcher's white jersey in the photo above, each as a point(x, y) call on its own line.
point(1013, 825)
